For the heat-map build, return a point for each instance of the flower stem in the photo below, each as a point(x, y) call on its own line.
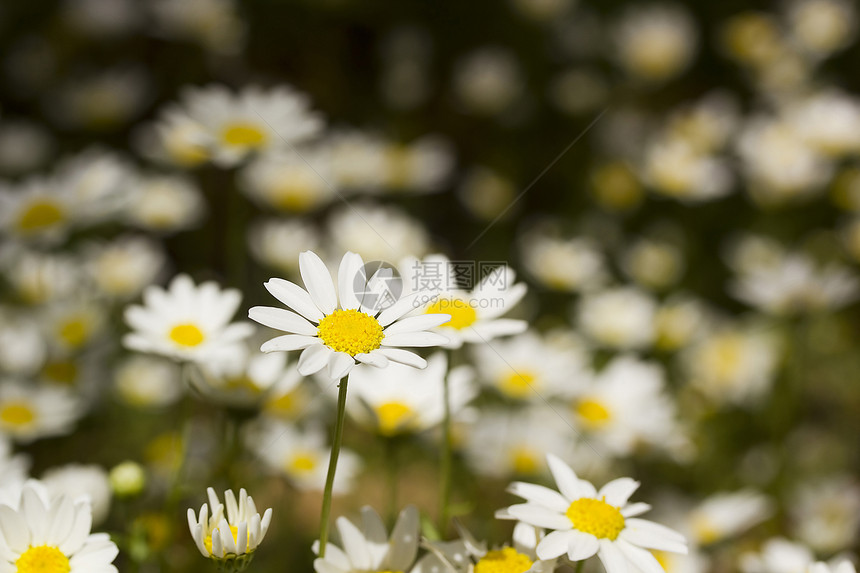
point(332, 464)
point(392, 463)
point(579, 566)
point(445, 464)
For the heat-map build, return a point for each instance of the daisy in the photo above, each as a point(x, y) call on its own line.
point(422, 166)
point(825, 514)
point(251, 121)
point(232, 533)
point(334, 329)
point(724, 515)
point(277, 243)
point(43, 533)
point(377, 232)
point(468, 555)
point(475, 315)
point(148, 381)
point(31, 412)
point(164, 203)
point(368, 547)
point(37, 210)
point(621, 318)
point(124, 267)
point(655, 43)
point(185, 322)
point(400, 399)
point(778, 555)
point(559, 263)
point(289, 181)
point(301, 456)
point(587, 522)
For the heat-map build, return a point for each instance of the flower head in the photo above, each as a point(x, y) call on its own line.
point(232, 533)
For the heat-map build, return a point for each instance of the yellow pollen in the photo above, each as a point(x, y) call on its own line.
point(462, 314)
point(39, 215)
point(518, 384)
point(61, 372)
point(393, 417)
point(234, 530)
point(17, 414)
point(302, 462)
point(504, 560)
point(74, 332)
point(524, 461)
point(186, 335)
point(596, 517)
point(43, 559)
point(243, 135)
point(592, 413)
point(350, 331)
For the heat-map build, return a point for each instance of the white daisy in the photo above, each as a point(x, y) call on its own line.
point(723, 515)
point(655, 42)
point(98, 180)
point(400, 399)
point(422, 166)
point(231, 533)
point(44, 534)
point(564, 264)
point(186, 322)
point(30, 412)
point(277, 243)
point(368, 547)
point(301, 456)
point(778, 555)
point(488, 81)
point(587, 522)
point(164, 203)
point(38, 278)
point(825, 514)
point(621, 318)
point(377, 232)
point(148, 381)
point(37, 210)
point(22, 347)
point(253, 120)
point(13, 467)
point(123, 267)
point(335, 329)
point(290, 181)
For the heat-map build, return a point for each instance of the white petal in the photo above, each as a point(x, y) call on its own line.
point(403, 357)
point(403, 306)
point(14, 530)
point(654, 536)
point(554, 545)
point(618, 491)
point(350, 267)
point(582, 546)
point(242, 538)
point(417, 323)
point(374, 358)
point(318, 281)
point(540, 516)
point(635, 509)
point(540, 495)
point(612, 558)
point(339, 365)
point(289, 342)
point(565, 478)
point(294, 297)
point(313, 359)
point(354, 544)
point(374, 533)
point(282, 319)
point(643, 559)
point(421, 339)
point(404, 540)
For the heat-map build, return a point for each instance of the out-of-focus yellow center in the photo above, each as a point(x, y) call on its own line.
point(350, 331)
point(186, 335)
point(61, 372)
point(74, 331)
point(705, 531)
point(462, 314)
point(393, 417)
point(243, 135)
point(596, 517)
point(302, 462)
point(524, 461)
point(504, 560)
point(17, 413)
point(592, 413)
point(43, 559)
point(518, 384)
point(40, 215)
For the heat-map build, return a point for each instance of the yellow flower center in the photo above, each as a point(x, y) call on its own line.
point(705, 531)
point(392, 417)
point(504, 560)
point(39, 215)
point(43, 559)
point(462, 314)
point(17, 414)
point(399, 165)
point(592, 413)
point(302, 462)
point(74, 332)
point(61, 372)
point(350, 331)
point(596, 517)
point(186, 335)
point(234, 530)
point(243, 135)
point(518, 384)
point(524, 461)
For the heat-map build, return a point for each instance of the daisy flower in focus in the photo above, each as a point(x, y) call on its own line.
point(368, 547)
point(475, 315)
point(52, 533)
point(468, 555)
point(29, 412)
point(186, 322)
point(335, 329)
point(401, 399)
point(254, 120)
point(231, 533)
point(587, 522)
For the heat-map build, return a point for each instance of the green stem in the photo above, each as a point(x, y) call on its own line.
point(579, 566)
point(392, 465)
point(445, 464)
point(332, 464)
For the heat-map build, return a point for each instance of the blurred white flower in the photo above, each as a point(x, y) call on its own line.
point(653, 264)
point(486, 193)
point(679, 321)
point(101, 101)
point(99, 180)
point(29, 412)
point(14, 468)
point(291, 180)
point(488, 81)
point(37, 210)
point(543, 10)
point(148, 381)
point(725, 515)
point(79, 481)
point(778, 555)
point(829, 121)
point(404, 400)
point(620, 317)
point(574, 264)
point(826, 514)
point(23, 146)
point(122, 268)
point(822, 27)
point(357, 160)
point(673, 167)
point(22, 347)
point(186, 321)
point(73, 324)
point(213, 24)
point(421, 166)
point(164, 203)
point(377, 232)
point(102, 18)
point(301, 456)
point(655, 42)
point(39, 278)
point(277, 243)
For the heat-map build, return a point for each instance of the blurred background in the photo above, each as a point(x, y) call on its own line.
point(678, 184)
